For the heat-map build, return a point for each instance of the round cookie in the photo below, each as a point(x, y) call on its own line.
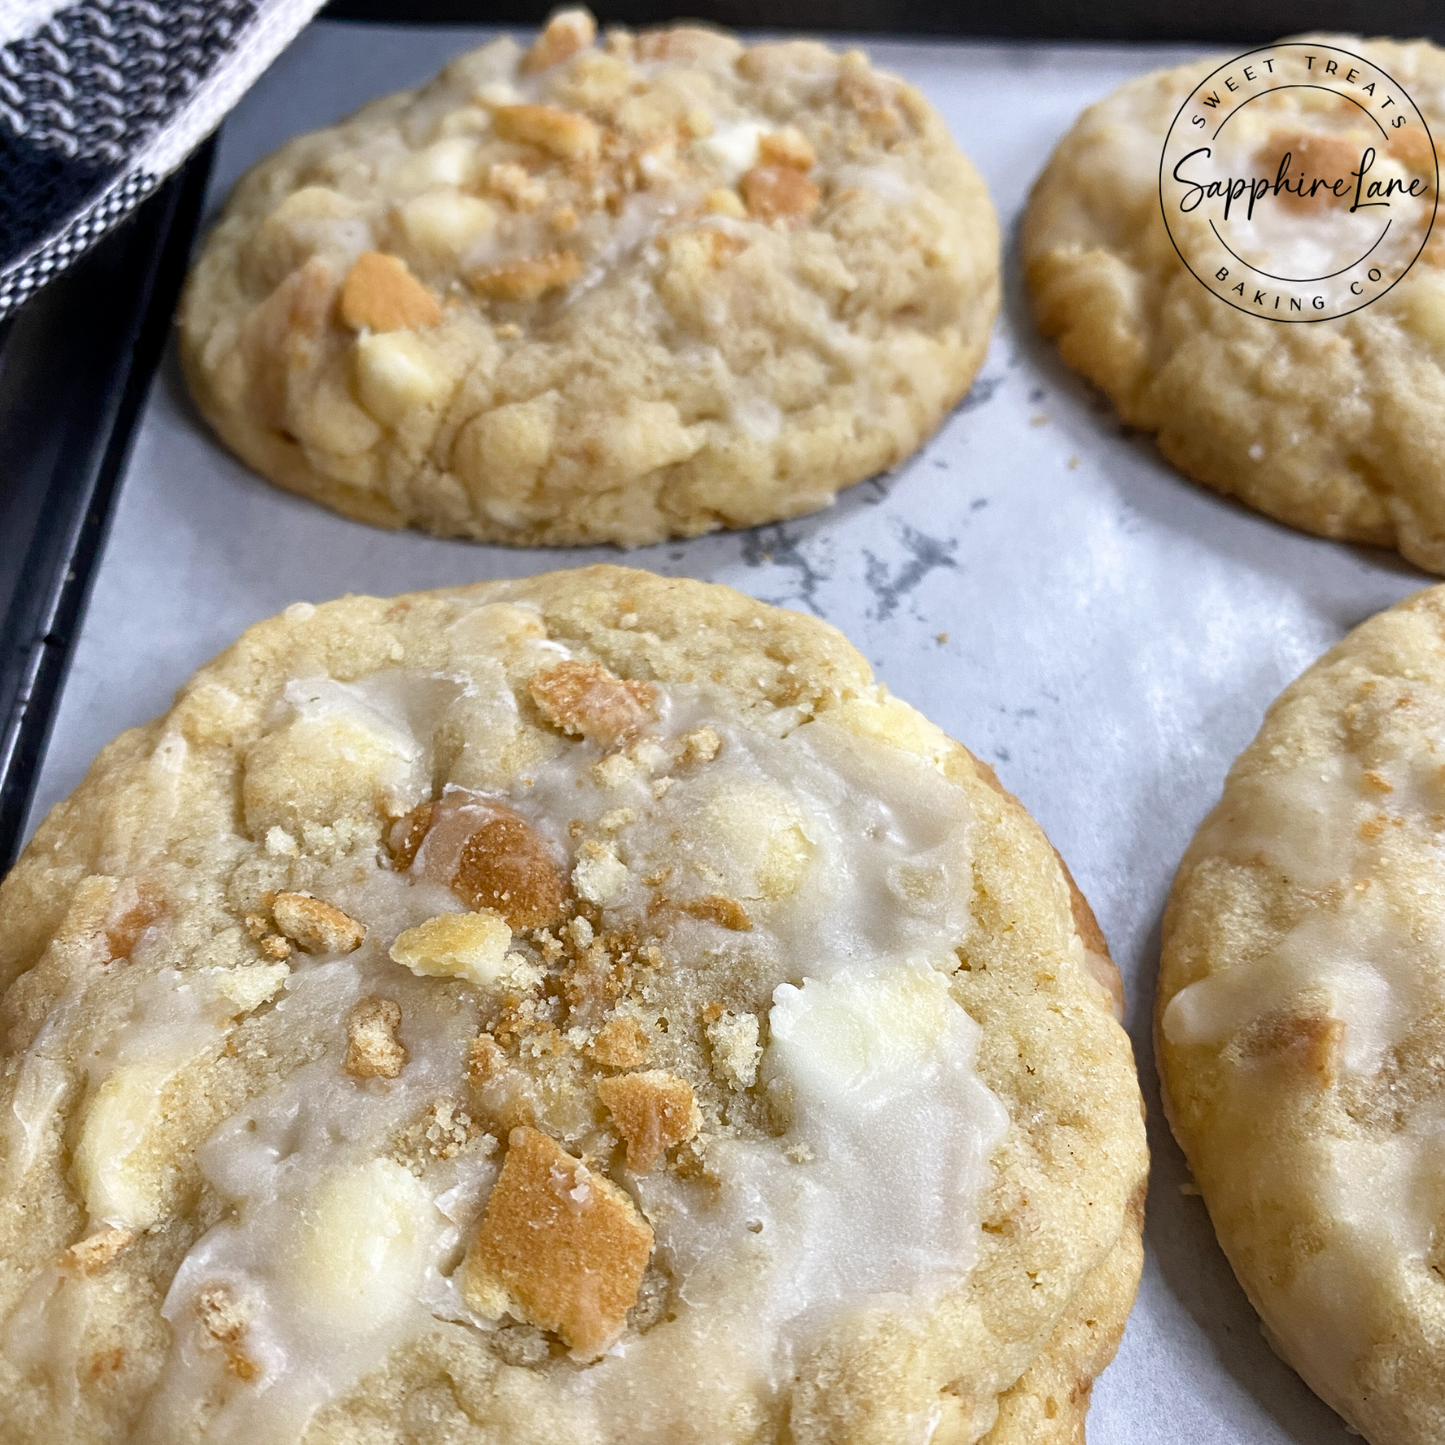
point(1336, 427)
point(1301, 1022)
point(579, 1007)
point(598, 292)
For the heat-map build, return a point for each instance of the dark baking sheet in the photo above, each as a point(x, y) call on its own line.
point(75, 366)
point(1222, 21)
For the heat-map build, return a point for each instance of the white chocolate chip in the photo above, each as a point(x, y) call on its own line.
point(445, 223)
point(733, 149)
point(472, 946)
point(446, 163)
point(395, 374)
point(600, 874)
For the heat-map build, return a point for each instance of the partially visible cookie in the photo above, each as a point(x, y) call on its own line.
point(1337, 426)
point(1302, 1022)
point(582, 1007)
point(599, 291)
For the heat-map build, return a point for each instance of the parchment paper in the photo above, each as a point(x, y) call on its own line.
point(1037, 581)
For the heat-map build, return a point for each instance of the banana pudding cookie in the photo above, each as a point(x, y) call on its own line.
point(598, 291)
point(581, 1008)
point(1310, 203)
point(1302, 1022)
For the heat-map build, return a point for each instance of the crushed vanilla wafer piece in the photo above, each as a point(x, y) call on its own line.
point(780, 193)
point(787, 147)
point(585, 700)
point(90, 1255)
point(506, 866)
point(561, 133)
point(373, 1050)
point(380, 294)
point(567, 32)
point(699, 746)
point(526, 279)
point(653, 1112)
point(560, 1246)
point(600, 875)
point(314, 926)
point(472, 946)
point(871, 97)
point(485, 1060)
point(136, 907)
point(620, 1044)
point(407, 835)
point(1308, 1042)
point(225, 1320)
point(736, 1052)
point(222, 1317)
point(271, 944)
point(723, 202)
point(513, 183)
point(715, 908)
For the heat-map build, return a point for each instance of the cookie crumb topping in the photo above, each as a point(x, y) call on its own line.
point(504, 865)
point(780, 193)
point(736, 1053)
point(473, 946)
point(373, 1050)
point(585, 700)
point(567, 32)
point(621, 1043)
point(528, 278)
point(315, 926)
point(653, 1112)
point(92, 1254)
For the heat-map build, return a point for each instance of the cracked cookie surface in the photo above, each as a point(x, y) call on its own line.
point(598, 291)
point(580, 1007)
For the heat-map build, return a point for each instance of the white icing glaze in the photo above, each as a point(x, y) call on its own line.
point(840, 848)
point(1353, 958)
point(1369, 953)
point(383, 723)
point(896, 1129)
point(847, 856)
point(176, 1019)
point(892, 1134)
point(41, 1087)
point(331, 1248)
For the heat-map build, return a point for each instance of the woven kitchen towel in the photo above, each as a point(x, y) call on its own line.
point(101, 100)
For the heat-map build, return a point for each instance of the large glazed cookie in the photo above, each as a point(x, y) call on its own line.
point(1335, 426)
point(1302, 1022)
point(599, 292)
point(584, 1008)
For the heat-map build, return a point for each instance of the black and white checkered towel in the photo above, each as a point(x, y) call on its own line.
point(101, 99)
